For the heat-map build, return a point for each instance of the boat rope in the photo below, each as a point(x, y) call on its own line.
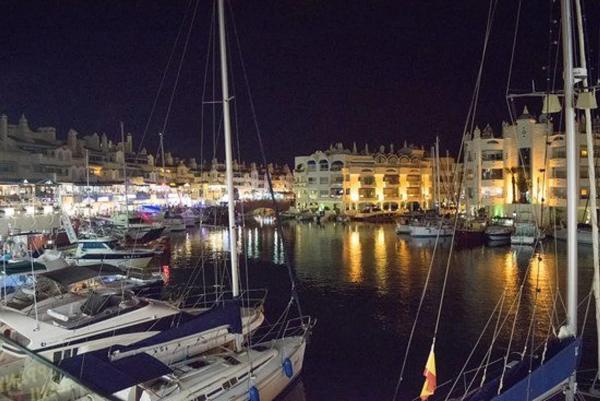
point(509, 103)
point(179, 67)
point(472, 353)
point(286, 250)
point(469, 121)
point(493, 342)
point(416, 319)
point(163, 77)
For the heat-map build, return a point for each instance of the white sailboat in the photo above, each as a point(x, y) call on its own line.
point(260, 371)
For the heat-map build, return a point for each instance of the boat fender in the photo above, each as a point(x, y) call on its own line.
point(288, 368)
point(254, 394)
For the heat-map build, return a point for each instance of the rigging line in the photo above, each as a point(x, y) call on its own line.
point(469, 118)
point(286, 251)
point(512, 59)
point(163, 77)
point(183, 54)
point(535, 305)
point(493, 4)
point(205, 80)
point(494, 338)
point(464, 367)
point(214, 91)
point(414, 325)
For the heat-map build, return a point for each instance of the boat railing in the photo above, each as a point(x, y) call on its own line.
point(299, 326)
point(30, 381)
point(252, 298)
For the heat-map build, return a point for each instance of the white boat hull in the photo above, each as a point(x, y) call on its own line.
point(430, 231)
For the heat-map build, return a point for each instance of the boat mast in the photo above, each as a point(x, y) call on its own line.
point(437, 160)
point(591, 173)
point(228, 153)
point(125, 177)
point(164, 172)
point(572, 196)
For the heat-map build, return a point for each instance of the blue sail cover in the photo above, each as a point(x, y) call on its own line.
point(97, 372)
point(561, 361)
point(225, 314)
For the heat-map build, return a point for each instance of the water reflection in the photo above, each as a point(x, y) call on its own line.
point(363, 283)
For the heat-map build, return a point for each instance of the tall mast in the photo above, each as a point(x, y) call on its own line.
point(591, 173)
point(228, 153)
point(125, 177)
point(572, 195)
point(162, 156)
point(437, 160)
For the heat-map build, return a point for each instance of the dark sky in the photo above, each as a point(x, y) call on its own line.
point(320, 71)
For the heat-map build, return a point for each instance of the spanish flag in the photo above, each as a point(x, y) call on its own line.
point(430, 377)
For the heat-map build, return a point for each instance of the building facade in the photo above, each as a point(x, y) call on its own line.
point(524, 165)
point(349, 181)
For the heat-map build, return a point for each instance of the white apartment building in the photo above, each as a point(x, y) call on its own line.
point(348, 180)
point(526, 164)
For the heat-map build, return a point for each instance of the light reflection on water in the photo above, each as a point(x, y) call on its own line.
point(363, 284)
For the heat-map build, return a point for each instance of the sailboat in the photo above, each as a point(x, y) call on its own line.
point(256, 370)
point(554, 371)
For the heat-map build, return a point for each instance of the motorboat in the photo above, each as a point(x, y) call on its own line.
point(190, 218)
point(105, 250)
point(109, 316)
point(431, 228)
point(173, 223)
point(525, 233)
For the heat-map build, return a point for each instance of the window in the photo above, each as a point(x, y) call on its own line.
point(391, 179)
point(336, 192)
point(347, 191)
point(324, 193)
point(323, 165)
point(337, 165)
point(583, 151)
point(324, 180)
point(584, 193)
point(337, 179)
point(366, 193)
point(367, 180)
point(558, 192)
point(312, 180)
point(311, 165)
point(491, 155)
point(300, 168)
point(492, 174)
point(390, 192)
point(559, 172)
point(559, 152)
point(347, 177)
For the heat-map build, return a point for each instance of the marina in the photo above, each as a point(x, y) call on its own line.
point(228, 254)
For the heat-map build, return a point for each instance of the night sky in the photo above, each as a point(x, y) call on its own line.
point(320, 71)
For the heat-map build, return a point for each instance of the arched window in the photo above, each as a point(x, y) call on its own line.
point(323, 165)
point(311, 165)
point(337, 165)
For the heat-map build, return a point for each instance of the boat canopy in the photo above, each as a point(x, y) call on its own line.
point(97, 372)
point(224, 314)
point(562, 358)
point(20, 267)
point(74, 274)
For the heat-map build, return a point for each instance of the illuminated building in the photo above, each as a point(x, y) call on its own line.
point(350, 181)
point(526, 165)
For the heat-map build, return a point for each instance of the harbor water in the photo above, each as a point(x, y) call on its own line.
point(363, 284)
